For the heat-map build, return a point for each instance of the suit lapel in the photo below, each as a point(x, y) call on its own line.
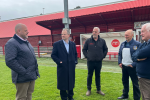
point(70, 47)
point(63, 46)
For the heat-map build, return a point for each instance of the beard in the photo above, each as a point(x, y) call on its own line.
point(95, 37)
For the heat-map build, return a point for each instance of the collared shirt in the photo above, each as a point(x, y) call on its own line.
point(21, 38)
point(127, 44)
point(148, 41)
point(66, 46)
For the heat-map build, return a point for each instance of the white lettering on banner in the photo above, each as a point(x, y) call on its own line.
point(115, 43)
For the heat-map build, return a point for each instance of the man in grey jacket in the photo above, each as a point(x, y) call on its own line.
point(20, 58)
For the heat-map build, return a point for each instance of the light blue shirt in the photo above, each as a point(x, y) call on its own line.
point(66, 46)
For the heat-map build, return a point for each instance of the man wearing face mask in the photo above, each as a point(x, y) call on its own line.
point(95, 50)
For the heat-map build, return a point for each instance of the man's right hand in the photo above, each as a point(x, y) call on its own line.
point(60, 62)
point(120, 65)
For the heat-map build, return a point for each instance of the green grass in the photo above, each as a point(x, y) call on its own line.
point(46, 85)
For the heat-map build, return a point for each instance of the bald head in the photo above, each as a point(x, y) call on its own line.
point(21, 30)
point(19, 27)
point(130, 31)
point(129, 35)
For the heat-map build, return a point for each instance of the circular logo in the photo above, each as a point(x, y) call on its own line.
point(115, 43)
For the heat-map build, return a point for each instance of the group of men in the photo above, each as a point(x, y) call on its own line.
point(133, 58)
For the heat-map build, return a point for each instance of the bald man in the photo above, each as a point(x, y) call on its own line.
point(127, 48)
point(20, 58)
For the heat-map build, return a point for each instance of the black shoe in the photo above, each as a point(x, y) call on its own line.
point(71, 99)
point(123, 97)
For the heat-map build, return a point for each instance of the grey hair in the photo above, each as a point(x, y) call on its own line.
point(97, 28)
point(147, 27)
point(68, 31)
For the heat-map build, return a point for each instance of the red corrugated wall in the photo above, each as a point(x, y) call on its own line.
point(46, 39)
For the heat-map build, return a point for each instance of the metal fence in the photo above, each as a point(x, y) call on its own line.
point(39, 50)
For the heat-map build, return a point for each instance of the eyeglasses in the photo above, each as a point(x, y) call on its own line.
point(94, 32)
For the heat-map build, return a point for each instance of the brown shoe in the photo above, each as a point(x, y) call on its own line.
point(100, 92)
point(88, 93)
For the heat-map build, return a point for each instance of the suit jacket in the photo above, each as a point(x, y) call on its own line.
point(66, 69)
point(142, 67)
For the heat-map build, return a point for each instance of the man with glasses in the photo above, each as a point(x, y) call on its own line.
point(95, 50)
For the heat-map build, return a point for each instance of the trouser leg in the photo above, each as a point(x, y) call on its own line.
point(30, 90)
point(145, 88)
point(134, 78)
point(70, 94)
point(98, 66)
point(24, 90)
point(125, 80)
point(63, 94)
point(90, 74)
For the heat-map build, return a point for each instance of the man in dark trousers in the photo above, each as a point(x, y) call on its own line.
point(95, 50)
point(20, 58)
point(142, 57)
point(64, 55)
point(127, 48)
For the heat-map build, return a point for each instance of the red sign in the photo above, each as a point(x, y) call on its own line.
point(115, 43)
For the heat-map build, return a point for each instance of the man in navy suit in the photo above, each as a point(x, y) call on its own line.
point(64, 55)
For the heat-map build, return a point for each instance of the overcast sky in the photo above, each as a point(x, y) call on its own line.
point(11, 9)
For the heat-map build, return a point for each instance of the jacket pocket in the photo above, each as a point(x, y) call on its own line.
point(14, 76)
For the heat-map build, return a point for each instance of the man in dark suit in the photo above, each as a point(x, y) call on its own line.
point(64, 55)
point(20, 58)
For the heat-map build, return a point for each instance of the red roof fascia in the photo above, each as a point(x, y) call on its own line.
point(7, 28)
point(112, 7)
point(99, 9)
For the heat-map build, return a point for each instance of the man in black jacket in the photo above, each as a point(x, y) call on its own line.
point(95, 50)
